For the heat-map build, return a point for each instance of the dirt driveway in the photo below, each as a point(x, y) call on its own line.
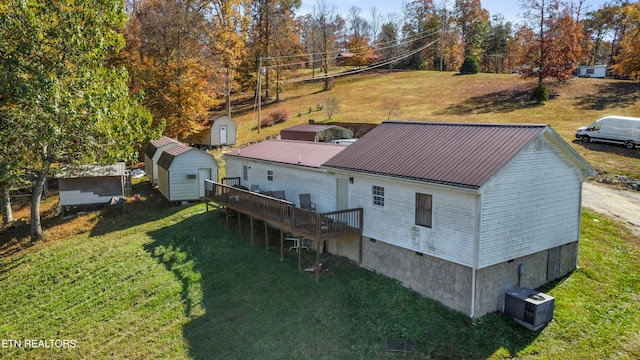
point(619, 204)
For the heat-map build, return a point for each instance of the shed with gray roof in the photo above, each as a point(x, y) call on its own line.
point(152, 153)
point(91, 184)
point(182, 171)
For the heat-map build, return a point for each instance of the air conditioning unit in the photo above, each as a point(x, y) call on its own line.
point(529, 308)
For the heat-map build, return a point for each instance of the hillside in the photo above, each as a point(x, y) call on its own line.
point(446, 96)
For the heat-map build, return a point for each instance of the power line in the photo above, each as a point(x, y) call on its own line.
point(371, 67)
point(404, 42)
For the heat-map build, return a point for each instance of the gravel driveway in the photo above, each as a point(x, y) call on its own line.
point(619, 204)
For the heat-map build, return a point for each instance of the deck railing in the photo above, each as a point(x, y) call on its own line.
point(310, 224)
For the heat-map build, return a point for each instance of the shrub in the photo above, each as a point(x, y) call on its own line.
point(279, 116)
point(470, 66)
point(540, 94)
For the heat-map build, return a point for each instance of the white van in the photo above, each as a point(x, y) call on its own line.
point(612, 129)
point(343, 141)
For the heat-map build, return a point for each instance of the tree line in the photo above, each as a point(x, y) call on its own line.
point(94, 80)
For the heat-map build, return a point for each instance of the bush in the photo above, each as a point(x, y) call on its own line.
point(278, 116)
point(470, 66)
point(540, 94)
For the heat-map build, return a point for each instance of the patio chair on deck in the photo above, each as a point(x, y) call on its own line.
point(305, 202)
point(255, 188)
point(278, 194)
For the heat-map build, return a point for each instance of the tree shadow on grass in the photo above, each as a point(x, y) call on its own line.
point(498, 102)
point(611, 95)
point(151, 206)
point(243, 302)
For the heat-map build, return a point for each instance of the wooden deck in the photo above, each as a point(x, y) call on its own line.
point(299, 222)
point(317, 227)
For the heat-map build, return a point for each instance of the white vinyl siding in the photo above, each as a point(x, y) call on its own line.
point(533, 204)
point(175, 184)
point(454, 217)
point(151, 164)
point(292, 179)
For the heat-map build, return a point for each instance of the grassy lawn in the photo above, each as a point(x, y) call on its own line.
point(449, 97)
point(159, 281)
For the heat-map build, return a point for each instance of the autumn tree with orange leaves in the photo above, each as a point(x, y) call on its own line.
point(628, 58)
point(167, 62)
point(556, 48)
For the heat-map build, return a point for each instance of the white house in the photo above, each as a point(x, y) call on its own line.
point(219, 130)
point(463, 212)
point(592, 71)
point(152, 153)
point(182, 171)
point(287, 165)
point(460, 213)
point(91, 184)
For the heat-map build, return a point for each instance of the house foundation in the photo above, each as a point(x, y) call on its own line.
point(451, 284)
point(437, 279)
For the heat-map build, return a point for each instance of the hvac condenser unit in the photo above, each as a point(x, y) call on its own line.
point(529, 308)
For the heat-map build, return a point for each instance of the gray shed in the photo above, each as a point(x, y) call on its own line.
point(219, 130)
point(152, 153)
point(182, 171)
point(91, 184)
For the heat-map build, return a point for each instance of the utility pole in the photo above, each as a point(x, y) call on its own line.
point(260, 72)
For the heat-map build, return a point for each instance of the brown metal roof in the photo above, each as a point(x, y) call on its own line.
point(302, 153)
point(308, 132)
point(153, 146)
point(169, 154)
point(457, 154)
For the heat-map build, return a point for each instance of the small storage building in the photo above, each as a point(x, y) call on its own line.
point(182, 171)
point(152, 154)
point(317, 133)
point(91, 184)
point(219, 130)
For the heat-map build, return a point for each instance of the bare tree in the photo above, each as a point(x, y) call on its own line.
point(331, 106)
point(391, 107)
point(327, 23)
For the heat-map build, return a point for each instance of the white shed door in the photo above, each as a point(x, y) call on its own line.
point(223, 134)
point(203, 174)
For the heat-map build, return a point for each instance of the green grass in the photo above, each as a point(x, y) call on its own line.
point(449, 97)
point(173, 283)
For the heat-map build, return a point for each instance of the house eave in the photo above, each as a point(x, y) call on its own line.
point(442, 184)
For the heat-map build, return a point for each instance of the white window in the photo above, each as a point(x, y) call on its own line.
point(270, 175)
point(245, 172)
point(378, 195)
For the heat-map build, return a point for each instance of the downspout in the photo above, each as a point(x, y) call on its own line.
point(476, 255)
point(579, 221)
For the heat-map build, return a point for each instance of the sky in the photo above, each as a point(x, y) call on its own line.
point(510, 9)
